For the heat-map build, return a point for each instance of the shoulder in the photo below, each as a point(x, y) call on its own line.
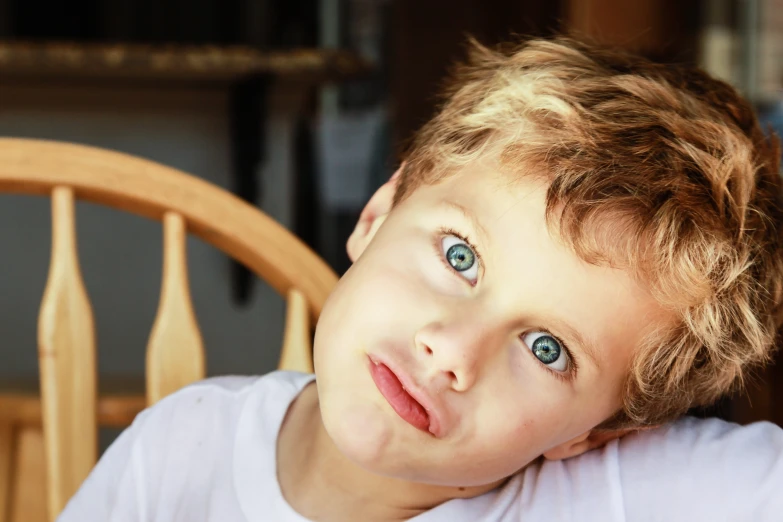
point(691, 469)
point(710, 440)
point(177, 460)
point(211, 410)
point(239, 387)
point(705, 448)
point(197, 428)
point(705, 466)
point(232, 391)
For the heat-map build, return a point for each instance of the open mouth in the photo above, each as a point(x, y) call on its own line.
point(402, 402)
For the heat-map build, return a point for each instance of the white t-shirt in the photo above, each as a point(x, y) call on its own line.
point(207, 453)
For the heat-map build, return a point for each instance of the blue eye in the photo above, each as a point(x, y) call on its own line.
point(548, 350)
point(461, 257)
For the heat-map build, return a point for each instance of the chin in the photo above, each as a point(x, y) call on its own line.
point(359, 431)
point(370, 440)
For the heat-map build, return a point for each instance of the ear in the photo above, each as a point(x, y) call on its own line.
point(372, 217)
point(585, 442)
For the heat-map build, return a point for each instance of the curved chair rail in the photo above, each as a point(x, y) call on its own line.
point(150, 189)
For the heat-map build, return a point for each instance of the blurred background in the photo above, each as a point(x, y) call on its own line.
point(307, 140)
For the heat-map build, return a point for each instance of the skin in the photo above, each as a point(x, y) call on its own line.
point(464, 337)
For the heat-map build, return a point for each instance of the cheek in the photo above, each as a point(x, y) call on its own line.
point(379, 295)
point(369, 307)
point(522, 412)
point(500, 448)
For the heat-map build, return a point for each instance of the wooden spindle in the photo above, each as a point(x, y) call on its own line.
point(67, 359)
point(297, 353)
point(175, 352)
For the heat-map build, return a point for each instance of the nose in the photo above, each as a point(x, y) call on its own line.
point(457, 351)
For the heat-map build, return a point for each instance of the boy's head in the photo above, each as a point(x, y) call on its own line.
point(657, 169)
point(578, 239)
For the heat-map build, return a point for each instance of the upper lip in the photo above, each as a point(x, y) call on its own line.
point(418, 393)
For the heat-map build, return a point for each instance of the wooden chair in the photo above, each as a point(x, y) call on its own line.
point(64, 419)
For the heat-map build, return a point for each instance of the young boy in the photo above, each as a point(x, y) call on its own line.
point(579, 247)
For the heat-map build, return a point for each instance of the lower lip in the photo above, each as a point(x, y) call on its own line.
point(401, 402)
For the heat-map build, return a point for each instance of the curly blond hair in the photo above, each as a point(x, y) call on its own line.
point(657, 169)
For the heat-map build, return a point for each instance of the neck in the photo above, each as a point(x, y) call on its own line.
point(321, 484)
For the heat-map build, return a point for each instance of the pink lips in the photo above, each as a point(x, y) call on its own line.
point(401, 401)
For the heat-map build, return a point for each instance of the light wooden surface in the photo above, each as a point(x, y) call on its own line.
point(120, 399)
point(6, 469)
point(149, 189)
point(297, 352)
point(69, 409)
point(30, 478)
point(194, 63)
point(67, 361)
point(114, 411)
point(175, 352)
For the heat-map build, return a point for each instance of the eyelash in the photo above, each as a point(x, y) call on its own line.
point(566, 376)
point(573, 366)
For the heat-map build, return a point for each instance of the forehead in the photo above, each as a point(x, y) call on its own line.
point(533, 272)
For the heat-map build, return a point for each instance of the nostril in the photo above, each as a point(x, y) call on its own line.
point(428, 350)
point(452, 376)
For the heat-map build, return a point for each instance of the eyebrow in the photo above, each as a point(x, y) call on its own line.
point(484, 236)
point(586, 345)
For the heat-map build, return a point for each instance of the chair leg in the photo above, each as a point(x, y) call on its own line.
point(29, 502)
point(6, 470)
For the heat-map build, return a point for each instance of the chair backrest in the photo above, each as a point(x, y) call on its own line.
point(175, 354)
